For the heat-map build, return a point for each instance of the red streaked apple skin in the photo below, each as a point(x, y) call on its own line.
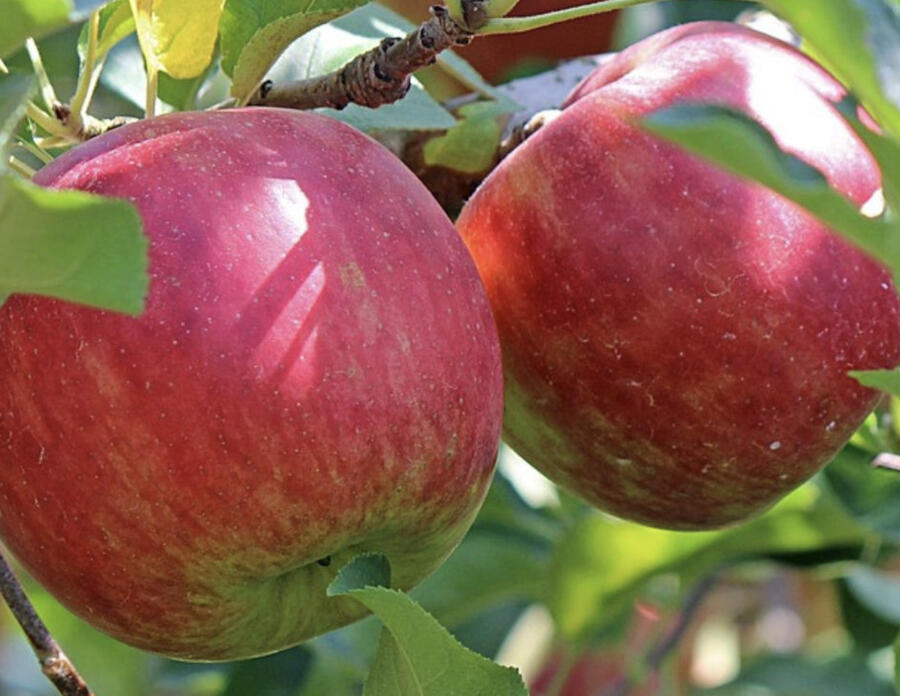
point(316, 374)
point(676, 340)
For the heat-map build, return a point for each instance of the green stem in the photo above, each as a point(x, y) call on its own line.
point(47, 92)
point(45, 120)
point(87, 77)
point(37, 152)
point(499, 8)
point(20, 167)
point(514, 25)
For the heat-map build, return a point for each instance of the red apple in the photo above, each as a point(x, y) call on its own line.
point(316, 375)
point(676, 340)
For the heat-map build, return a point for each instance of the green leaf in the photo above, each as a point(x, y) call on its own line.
point(20, 19)
point(471, 145)
point(602, 564)
point(885, 380)
point(859, 41)
point(868, 494)
point(253, 33)
point(877, 590)
point(365, 570)
point(418, 657)
point(114, 23)
point(330, 46)
point(275, 675)
point(867, 628)
point(745, 148)
point(14, 92)
point(71, 245)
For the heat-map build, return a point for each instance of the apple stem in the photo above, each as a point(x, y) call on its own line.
point(54, 663)
point(379, 76)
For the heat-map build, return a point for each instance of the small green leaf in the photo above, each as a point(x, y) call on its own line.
point(471, 145)
point(14, 92)
point(742, 146)
point(366, 570)
point(885, 380)
point(20, 19)
point(71, 245)
point(859, 41)
point(418, 657)
point(114, 23)
point(255, 32)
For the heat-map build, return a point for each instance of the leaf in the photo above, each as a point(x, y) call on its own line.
point(15, 89)
point(71, 245)
point(417, 656)
point(859, 41)
point(602, 564)
point(20, 19)
point(471, 145)
point(177, 37)
point(868, 494)
point(744, 147)
point(366, 570)
point(885, 380)
point(114, 23)
point(868, 630)
point(255, 32)
point(280, 674)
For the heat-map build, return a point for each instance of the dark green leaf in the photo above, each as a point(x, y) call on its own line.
point(886, 380)
point(253, 33)
point(869, 494)
point(859, 41)
point(744, 147)
point(276, 675)
point(868, 630)
point(72, 245)
point(20, 19)
point(114, 23)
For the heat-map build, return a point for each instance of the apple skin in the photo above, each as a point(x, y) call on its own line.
point(675, 339)
point(316, 374)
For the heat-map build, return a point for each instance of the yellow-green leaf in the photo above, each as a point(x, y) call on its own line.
point(177, 37)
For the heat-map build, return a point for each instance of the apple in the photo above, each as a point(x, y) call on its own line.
point(676, 340)
point(316, 374)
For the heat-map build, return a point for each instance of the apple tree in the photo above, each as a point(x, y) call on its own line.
point(274, 275)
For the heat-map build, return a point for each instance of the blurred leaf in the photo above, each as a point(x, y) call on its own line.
point(792, 675)
point(14, 92)
point(742, 146)
point(603, 563)
point(869, 630)
point(72, 245)
point(115, 22)
point(20, 19)
point(177, 37)
point(471, 145)
point(869, 494)
point(877, 590)
point(329, 47)
point(280, 674)
point(859, 41)
point(255, 32)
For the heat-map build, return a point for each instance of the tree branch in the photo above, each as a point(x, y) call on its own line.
point(54, 663)
point(379, 76)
